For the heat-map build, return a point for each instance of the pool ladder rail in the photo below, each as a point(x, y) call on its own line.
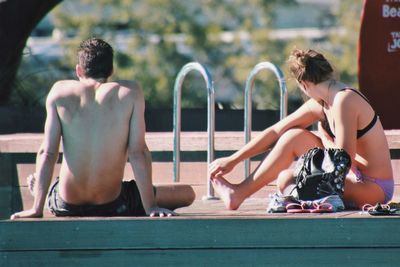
point(195, 66)
point(248, 101)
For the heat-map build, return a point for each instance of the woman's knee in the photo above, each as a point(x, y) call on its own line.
point(298, 141)
point(295, 134)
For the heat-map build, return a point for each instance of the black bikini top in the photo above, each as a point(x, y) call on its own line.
point(360, 133)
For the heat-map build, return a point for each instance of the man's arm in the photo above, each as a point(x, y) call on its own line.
point(46, 159)
point(140, 157)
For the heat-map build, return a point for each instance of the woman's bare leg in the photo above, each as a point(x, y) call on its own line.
point(285, 182)
point(174, 196)
point(292, 144)
point(360, 193)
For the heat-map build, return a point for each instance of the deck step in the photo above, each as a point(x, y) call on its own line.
point(320, 240)
point(206, 233)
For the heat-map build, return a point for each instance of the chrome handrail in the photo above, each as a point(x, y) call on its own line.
point(248, 103)
point(210, 118)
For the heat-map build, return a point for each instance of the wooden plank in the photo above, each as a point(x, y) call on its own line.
point(206, 257)
point(161, 141)
point(191, 172)
point(396, 170)
point(393, 138)
point(195, 233)
point(5, 201)
point(21, 142)
point(7, 176)
point(7, 169)
point(200, 191)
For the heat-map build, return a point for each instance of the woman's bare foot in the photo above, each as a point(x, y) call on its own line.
point(227, 193)
point(31, 180)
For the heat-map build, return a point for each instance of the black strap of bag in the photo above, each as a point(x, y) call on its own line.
point(322, 173)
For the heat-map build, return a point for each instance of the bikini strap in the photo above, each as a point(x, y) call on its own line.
point(361, 132)
point(355, 91)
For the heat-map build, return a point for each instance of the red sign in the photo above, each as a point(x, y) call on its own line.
point(379, 59)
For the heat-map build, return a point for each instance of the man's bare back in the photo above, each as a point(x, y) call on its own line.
point(95, 119)
point(102, 125)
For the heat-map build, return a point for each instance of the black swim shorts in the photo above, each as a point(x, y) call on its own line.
point(128, 203)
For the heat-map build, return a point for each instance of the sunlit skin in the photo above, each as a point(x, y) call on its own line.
point(102, 126)
point(289, 139)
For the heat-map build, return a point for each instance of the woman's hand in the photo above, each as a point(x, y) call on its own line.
point(220, 167)
point(326, 140)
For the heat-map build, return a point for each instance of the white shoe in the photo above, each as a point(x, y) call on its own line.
point(278, 203)
point(334, 200)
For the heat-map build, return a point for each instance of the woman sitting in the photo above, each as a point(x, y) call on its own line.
point(345, 120)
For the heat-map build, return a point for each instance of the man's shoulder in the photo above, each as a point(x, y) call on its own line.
point(129, 88)
point(63, 88)
point(67, 83)
point(128, 84)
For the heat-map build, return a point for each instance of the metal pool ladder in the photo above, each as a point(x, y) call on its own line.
point(210, 119)
point(248, 103)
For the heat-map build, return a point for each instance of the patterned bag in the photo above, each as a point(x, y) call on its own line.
point(322, 173)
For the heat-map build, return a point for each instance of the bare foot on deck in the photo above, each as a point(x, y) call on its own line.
point(31, 180)
point(226, 191)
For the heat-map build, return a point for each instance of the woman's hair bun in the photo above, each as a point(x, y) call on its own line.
point(309, 65)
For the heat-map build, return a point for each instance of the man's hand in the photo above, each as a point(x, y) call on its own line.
point(161, 212)
point(32, 213)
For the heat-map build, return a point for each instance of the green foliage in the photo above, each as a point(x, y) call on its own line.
point(153, 39)
point(165, 35)
point(344, 45)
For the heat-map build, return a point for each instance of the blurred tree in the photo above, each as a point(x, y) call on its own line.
point(153, 39)
point(17, 20)
point(342, 25)
point(344, 43)
point(229, 37)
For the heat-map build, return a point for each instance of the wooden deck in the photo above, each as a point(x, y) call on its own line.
point(204, 234)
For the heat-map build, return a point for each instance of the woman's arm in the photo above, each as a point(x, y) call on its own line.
point(303, 117)
point(345, 114)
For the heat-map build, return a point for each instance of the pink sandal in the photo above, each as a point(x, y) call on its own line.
point(298, 208)
point(322, 208)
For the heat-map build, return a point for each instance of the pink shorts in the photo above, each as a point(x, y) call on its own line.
point(387, 185)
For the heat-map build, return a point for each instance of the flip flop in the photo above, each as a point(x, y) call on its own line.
point(394, 205)
point(380, 210)
point(322, 208)
point(297, 208)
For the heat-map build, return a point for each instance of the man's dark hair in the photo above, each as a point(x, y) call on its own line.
point(95, 56)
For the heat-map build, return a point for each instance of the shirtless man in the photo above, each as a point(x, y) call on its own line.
point(102, 125)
